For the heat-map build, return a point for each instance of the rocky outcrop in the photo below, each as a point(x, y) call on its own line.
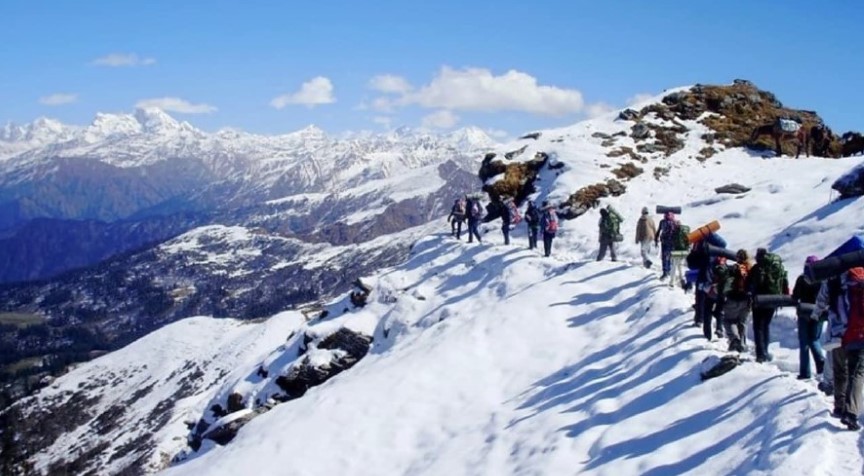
point(589, 197)
point(734, 112)
point(346, 348)
point(518, 177)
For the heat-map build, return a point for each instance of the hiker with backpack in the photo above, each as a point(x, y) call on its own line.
point(767, 277)
point(732, 283)
point(669, 238)
point(646, 234)
point(699, 259)
point(809, 325)
point(828, 303)
point(456, 217)
point(610, 232)
point(549, 224)
point(532, 219)
point(716, 300)
point(843, 299)
point(475, 214)
point(504, 210)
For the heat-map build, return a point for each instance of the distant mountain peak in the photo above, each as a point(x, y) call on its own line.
point(153, 119)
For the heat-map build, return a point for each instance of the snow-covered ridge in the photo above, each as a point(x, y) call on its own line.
point(489, 359)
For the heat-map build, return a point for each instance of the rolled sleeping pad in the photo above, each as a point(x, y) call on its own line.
point(664, 210)
point(703, 231)
point(833, 266)
point(806, 308)
point(774, 301)
point(724, 252)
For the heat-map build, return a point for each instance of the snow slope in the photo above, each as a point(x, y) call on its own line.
point(489, 359)
point(153, 387)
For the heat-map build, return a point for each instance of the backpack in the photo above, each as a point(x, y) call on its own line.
point(475, 209)
point(680, 240)
point(772, 275)
point(855, 293)
point(739, 278)
point(459, 208)
point(515, 217)
point(551, 221)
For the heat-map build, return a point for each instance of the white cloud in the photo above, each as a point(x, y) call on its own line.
point(598, 109)
point(383, 105)
point(443, 119)
point(318, 90)
point(639, 98)
point(497, 133)
point(389, 83)
point(173, 104)
point(58, 99)
point(116, 60)
point(477, 89)
point(383, 121)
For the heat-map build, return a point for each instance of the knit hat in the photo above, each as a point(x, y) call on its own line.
point(644, 210)
point(811, 259)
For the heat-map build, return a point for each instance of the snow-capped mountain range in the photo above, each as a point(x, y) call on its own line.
point(124, 168)
point(487, 358)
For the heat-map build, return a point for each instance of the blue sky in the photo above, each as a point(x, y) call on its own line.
point(503, 65)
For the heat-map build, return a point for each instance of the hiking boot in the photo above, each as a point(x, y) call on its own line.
point(851, 422)
point(803, 377)
point(827, 389)
point(837, 414)
point(663, 276)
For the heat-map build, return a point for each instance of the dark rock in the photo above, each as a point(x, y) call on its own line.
point(628, 115)
point(733, 189)
point(262, 372)
point(235, 402)
point(218, 411)
point(640, 131)
point(223, 434)
point(302, 377)
point(354, 343)
point(851, 184)
point(515, 153)
point(742, 82)
point(532, 135)
point(601, 135)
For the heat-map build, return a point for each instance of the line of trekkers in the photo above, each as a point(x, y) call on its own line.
point(730, 286)
point(536, 218)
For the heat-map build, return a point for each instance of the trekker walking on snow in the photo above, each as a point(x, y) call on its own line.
point(646, 234)
point(549, 224)
point(809, 325)
point(828, 304)
point(610, 232)
point(736, 310)
point(504, 209)
point(475, 214)
point(846, 319)
point(456, 217)
point(532, 218)
point(767, 277)
point(666, 235)
point(716, 300)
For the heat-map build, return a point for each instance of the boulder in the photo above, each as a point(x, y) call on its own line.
point(354, 343)
point(640, 131)
point(601, 135)
point(222, 432)
point(532, 135)
point(235, 402)
point(733, 189)
point(851, 184)
point(628, 115)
